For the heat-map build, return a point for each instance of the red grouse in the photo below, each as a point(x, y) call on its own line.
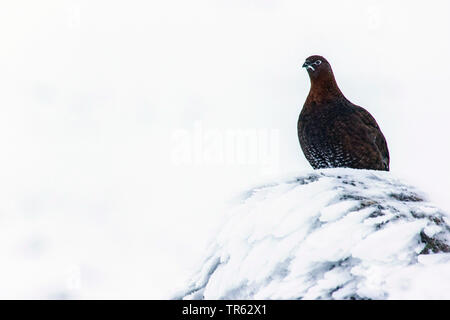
point(333, 132)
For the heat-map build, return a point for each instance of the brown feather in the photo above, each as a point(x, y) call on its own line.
point(333, 132)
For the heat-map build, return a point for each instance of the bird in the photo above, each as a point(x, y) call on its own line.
point(332, 131)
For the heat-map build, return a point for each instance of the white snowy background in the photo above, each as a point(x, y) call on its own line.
point(98, 98)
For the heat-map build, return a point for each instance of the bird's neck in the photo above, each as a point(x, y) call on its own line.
point(323, 88)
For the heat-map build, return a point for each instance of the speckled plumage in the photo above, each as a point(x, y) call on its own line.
point(332, 131)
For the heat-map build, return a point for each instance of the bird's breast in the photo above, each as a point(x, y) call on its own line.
point(319, 136)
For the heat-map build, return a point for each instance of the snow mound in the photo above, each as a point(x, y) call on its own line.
point(329, 234)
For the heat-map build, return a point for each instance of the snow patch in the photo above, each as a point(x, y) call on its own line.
point(330, 234)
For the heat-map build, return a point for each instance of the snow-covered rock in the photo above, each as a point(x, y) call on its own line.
point(329, 234)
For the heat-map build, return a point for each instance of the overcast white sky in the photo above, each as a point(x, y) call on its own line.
point(111, 113)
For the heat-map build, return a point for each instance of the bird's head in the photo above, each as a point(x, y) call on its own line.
point(323, 83)
point(316, 65)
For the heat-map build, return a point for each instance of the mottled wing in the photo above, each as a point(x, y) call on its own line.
point(375, 134)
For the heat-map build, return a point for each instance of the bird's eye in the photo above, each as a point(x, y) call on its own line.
point(318, 62)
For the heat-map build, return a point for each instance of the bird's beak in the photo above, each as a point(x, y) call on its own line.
point(308, 66)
